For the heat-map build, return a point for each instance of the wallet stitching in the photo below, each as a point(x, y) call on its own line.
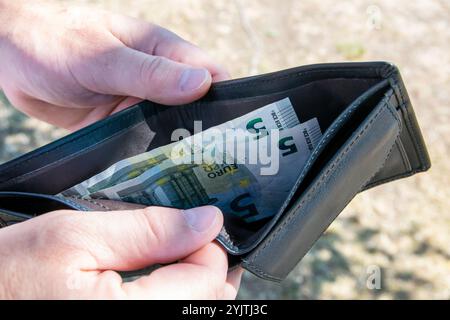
point(98, 204)
point(75, 205)
point(90, 201)
point(277, 231)
point(225, 237)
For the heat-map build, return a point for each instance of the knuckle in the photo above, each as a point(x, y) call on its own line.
point(152, 69)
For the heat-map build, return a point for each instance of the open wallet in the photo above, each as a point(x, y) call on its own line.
point(369, 135)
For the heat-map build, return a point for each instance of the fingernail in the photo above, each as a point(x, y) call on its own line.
point(192, 79)
point(201, 218)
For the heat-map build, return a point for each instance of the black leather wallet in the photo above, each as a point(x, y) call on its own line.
point(370, 136)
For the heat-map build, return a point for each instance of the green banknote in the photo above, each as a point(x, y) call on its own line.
point(250, 180)
point(278, 115)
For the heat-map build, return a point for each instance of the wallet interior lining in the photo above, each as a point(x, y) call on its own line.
point(324, 99)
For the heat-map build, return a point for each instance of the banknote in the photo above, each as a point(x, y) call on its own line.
point(227, 180)
point(278, 115)
point(236, 188)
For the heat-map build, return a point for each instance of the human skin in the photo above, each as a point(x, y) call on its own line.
point(71, 67)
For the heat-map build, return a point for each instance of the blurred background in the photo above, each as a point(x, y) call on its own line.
point(399, 231)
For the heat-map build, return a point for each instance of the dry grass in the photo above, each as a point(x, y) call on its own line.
point(403, 227)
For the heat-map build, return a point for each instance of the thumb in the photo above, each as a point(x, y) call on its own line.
point(130, 240)
point(154, 78)
point(135, 239)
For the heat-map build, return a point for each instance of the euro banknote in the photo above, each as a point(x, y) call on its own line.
point(278, 115)
point(229, 178)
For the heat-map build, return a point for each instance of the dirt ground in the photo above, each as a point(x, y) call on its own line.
point(402, 228)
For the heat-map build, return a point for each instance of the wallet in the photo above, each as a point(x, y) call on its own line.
point(370, 136)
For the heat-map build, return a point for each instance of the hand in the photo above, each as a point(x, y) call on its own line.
point(67, 254)
point(73, 66)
